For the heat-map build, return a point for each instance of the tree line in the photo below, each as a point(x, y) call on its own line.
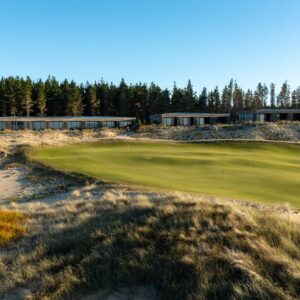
point(25, 97)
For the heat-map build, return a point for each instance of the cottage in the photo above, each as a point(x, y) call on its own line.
point(189, 119)
point(41, 123)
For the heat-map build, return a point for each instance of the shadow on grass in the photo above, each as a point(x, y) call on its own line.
point(183, 249)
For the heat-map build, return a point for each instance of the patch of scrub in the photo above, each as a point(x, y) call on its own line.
point(11, 226)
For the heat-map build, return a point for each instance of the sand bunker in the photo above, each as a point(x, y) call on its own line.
point(10, 185)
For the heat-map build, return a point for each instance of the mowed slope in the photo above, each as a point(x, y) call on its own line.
point(249, 171)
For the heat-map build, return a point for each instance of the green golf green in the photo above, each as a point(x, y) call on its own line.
point(250, 171)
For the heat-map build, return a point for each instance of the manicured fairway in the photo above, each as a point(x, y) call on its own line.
point(250, 171)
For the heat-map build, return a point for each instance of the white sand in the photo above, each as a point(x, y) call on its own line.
point(10, 185)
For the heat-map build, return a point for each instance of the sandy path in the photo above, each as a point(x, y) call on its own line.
point(10, 185)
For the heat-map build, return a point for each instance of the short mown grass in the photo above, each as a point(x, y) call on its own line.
point(250, 171)
point(11, 226)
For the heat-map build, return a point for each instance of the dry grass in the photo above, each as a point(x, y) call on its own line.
point(11, 226)
point(183, 247)
point(9, 140)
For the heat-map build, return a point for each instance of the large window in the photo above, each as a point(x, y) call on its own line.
point(56, 125)
point(184, 121)
point(124, 123)
point(17, 125)
point(74, 125)
point(38, 125)
point(261, 118)
point(2, 125)
point(109, 124)
point(91, 125)
point(200, 121)
point(168, 121)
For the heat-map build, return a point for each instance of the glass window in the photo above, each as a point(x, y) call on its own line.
point(109, 124)
point(169, 121)
point(74, 125)
point(56, 125)
point(261, 118)
point(91, 125)
point(185, 121)
point(2, 125)
point(124, 123)
point(38, 125)
point(17, 125)
point(200, 121)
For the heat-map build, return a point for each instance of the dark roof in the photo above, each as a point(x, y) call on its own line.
point(278, 111)
point(193, 115)
point(66, 119)
point(245, 112)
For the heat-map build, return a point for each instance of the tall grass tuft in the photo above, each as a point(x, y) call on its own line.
point(11, 226)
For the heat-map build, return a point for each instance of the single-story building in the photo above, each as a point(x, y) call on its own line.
point(246, 116)
point(189, 119)
point(40, 123)
point(270, 115)
point(280, 114)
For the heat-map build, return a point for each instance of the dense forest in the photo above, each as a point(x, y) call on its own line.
point(25, 97)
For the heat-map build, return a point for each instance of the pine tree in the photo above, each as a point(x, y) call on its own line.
point(265, 93)
point(258, 99)
point(154, 99)
point(92, 103)
point(41, 99)
point(103, 96)
point(176, 99)
point(272, 95)
point(284, 97)
point(54, 98)
point(123, 98)
point(298, 97)
point(189, 96)
point(10, 96)
point(226, 100)
point(217, 100)
point(27, 100)
point(113, 100)
point(2, 98)
point(210, 100)
point(163, 101)
point(237, 101)
point(294, 99)
point(248, 101)
point(72, 98)
point(203, 100)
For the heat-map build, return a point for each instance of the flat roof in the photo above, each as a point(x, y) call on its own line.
point(194, 115)
point(278, 111)
point(66, 119)
point(245, 112)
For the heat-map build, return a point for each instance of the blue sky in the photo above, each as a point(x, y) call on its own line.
point(208, 41)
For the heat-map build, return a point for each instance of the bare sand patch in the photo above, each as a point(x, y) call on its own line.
point(10, 185)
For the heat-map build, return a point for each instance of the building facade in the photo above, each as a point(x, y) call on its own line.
point(246, 116)
point(270, 115)
point(60, 123)
point(189, 119)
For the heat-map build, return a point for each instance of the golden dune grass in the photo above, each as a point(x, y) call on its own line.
point(11, 226)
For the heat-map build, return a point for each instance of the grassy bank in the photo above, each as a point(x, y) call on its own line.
point(250, 171)
point(182, 247)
